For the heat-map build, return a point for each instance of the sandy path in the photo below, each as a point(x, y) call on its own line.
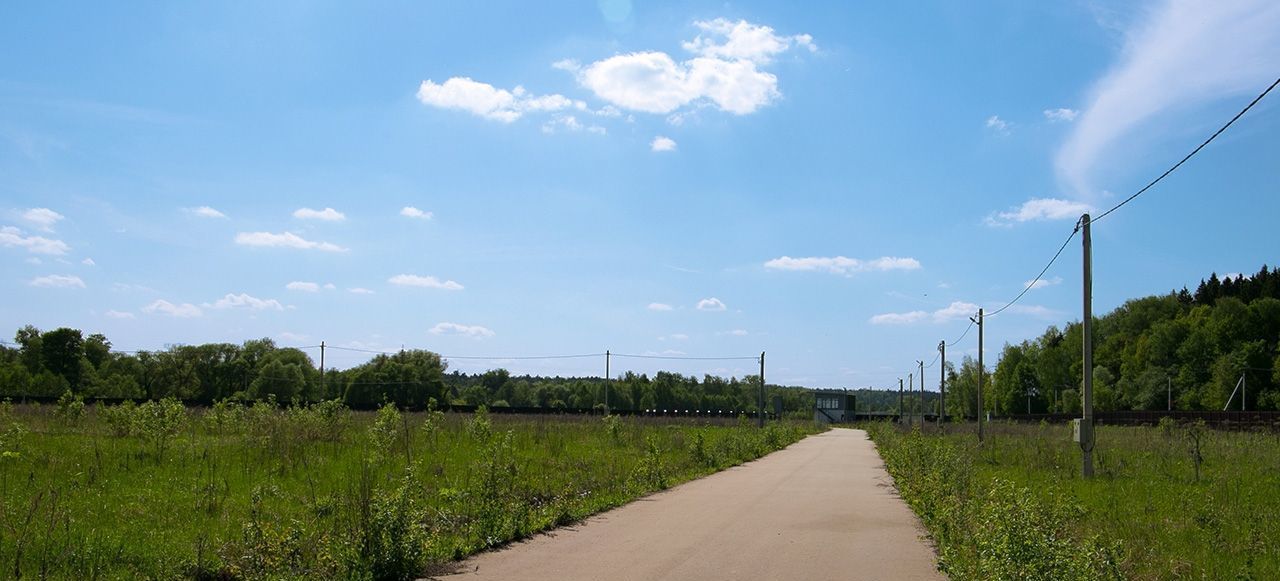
point(824, 508)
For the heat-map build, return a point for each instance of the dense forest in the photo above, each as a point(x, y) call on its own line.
point(1195, 347)
point(51, 363)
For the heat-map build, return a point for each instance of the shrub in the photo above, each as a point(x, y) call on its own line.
point(385, 428)
point(225, 416)
point(480, 428)
point(70, 407)
point(613, 425)
point(159, 421)
point(651, 472)
point(120, 419)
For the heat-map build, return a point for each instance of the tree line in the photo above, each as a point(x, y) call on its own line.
point(51, 363)
point(1191, 348)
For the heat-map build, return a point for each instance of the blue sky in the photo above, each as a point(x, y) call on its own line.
point(837, 184)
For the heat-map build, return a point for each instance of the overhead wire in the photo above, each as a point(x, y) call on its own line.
point(1192, 154)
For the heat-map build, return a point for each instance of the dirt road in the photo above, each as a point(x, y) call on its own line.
point(824, 508)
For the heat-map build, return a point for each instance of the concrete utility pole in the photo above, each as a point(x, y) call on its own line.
point(911, 389)
point(980, 374)
point(942, 383)
point(323, 392)
point(761, 422)
point(1086, 422)
point(607, 378)
point(1170, 381)
point(921, 395)
point(901, 409)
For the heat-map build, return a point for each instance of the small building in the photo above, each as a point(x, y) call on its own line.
point(833, 405)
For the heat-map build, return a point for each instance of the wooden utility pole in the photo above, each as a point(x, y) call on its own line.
point(1086, 422)
point(607, 379)
point(942, 383)
point(911, 389)
point(323, 392)
point(761, 421)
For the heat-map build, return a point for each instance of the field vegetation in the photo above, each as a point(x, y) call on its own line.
point(1177, 501)
point(157, 490)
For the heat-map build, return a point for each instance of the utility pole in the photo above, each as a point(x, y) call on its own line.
point(323, 392)
point(1244, 390)
point(911, 389)
point(921, 394)
point(761, 422)
point(1170, 380)
point(980, 374)
point(607, 379)
point(1086, 422)
point(901, 408)
point(942, 383)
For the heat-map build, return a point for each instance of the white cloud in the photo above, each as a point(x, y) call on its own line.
point(473, 331)
point(360, 291)
point(284, 240)
point(843, 265)
point(571, 123)
point(1060, 114)
point(10, 237)
point(1039, 209)
point(661, 143)
point(42, 218)
point(1184, 55)
point(659, 307)
point(899, 318)
point(412, 212)
point(327, 214)
point(1042, 283)
point(737, 333)
point(652, 82)
point(995, 123)
point(570, 65)
point(57, 281)
point(114, 314)
point(424, 281)
point(204, 212)
point(88, 262)
point(181, 311)
point(485, 100)
point(329, 286)
point(742, 40)
point(303, 286)
point(242, 300)
point(711, 304)
point(956, 310)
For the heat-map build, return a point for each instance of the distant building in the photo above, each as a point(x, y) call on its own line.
point(833, 405)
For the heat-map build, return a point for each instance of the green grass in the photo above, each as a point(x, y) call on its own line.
point(1017, 507)
point(260, 492)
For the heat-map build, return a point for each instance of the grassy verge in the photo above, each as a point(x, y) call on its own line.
point(158, 491)
point(1173, 502)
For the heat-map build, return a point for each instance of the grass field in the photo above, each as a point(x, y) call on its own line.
point(1167, 502)
point(160, 491)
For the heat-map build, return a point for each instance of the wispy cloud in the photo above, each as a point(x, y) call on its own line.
point(303, 286)
point(412, 212)
point(842, 265)
point(284, 240)
point(204, 212)
point(1039, 210)
point(661, 143)
point(485, 100)
point(181, 311)
point(57, 281)
point(711, 304)
point(424, 282)
point(1042, 283)
point(245, 301)
point(998, 125)
point(955, 310)
point(472, 331)
point(659, 307)
point(360, 291)
point(326, 215)
point(42, 218)
point(1060, 114)
point(13, 237)
point(114, 314)
point(1183, 55)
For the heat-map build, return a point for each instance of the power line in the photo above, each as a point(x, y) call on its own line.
point(1032, 284)
point(1193, 152)
point(962, 335)
point(685, 358)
